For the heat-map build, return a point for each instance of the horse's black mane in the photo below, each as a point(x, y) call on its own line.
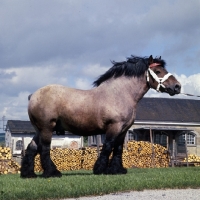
point(134, 66)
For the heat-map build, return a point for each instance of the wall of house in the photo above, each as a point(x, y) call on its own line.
point(67, 141)
point(195, 149)
point(192, 149)
point(63, 141)
point(7, 138)
point(12, 139)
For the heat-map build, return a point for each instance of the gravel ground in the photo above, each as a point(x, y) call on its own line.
point(175, 194)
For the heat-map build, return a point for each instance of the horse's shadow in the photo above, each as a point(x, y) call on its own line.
point(71, 174)
point(77, 173)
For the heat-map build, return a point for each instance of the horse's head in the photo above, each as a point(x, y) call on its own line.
point(159, 79)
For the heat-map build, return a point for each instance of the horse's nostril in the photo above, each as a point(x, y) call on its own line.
point(177, 88)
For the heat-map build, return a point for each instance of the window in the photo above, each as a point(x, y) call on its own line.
point(93, 140)
point(186, 136)
point(19, 145)
point(190, 138)
point(181, 139)
point(160, 138)
point(132, 135)
point(103, 138)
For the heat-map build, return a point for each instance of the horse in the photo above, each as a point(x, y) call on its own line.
point(108, 108)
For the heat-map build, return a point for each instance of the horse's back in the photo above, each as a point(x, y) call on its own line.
point(55, 96)
point(54, 102)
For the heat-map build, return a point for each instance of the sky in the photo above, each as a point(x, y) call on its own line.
point(72, 42)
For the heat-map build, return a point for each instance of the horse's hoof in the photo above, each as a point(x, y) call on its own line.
point(123, 171)
point(100, 166)
point(116, 171)
point(32, 175)
point(55, 173)
point(99, 170)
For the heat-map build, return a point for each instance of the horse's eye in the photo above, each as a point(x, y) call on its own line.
point(157, 72)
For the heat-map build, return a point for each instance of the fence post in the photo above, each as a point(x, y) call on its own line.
point(126, 140)
point(173, 153)
point(98, 144)
point(186, 152)
point(153, 154)
point(23, 147)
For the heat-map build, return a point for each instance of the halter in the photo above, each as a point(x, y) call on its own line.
point(156, 78)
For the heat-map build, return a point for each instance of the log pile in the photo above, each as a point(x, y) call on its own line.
point(64, 159)
point(145, 155)
point(5, 153)
point(193, 158)
point(138, 154)
point(7, 165)
point(89, 157)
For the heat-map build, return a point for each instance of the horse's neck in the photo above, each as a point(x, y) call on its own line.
point(139, 87)
point(133, 87)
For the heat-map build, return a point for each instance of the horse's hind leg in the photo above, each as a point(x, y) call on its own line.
point(116, 166)
point(101, 165)
point(48, 166)
point(27, 165)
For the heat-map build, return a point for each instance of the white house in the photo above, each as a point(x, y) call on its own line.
point(21, 132)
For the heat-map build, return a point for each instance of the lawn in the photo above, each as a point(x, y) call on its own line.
point(84, 183)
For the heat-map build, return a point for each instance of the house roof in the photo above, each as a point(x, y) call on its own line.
point(22, 127)
point(168, 110)
point(18, 126)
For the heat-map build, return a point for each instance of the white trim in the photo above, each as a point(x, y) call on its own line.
point(165, 123)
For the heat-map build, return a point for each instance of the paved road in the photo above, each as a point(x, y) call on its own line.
point(182, 194)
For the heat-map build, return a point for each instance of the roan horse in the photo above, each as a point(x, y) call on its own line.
point(108, 108)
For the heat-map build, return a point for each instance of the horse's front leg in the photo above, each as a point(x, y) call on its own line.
point(101, 165)
point(116, 166)
point(48, 166)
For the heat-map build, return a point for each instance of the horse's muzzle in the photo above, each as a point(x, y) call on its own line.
point(176, 89)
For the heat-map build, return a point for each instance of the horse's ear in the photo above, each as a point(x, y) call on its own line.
point(150, 59)
point(160, 58)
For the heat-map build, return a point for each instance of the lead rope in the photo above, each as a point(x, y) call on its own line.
point(191, 95)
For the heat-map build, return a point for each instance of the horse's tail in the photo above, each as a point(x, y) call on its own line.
point(29, 97)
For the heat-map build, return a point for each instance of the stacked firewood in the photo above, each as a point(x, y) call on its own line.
point(145, 155)
point(193, 159)
point(5, 153)
point(64, 159)
point(89, 157)
point(7, 165)
point(138, 154)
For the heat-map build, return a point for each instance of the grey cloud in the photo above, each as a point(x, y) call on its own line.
point(68, 31)
point(6, 75)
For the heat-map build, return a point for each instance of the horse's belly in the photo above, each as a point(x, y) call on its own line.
point(82, 129)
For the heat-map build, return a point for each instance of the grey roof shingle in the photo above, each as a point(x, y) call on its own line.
point(22, 127)
point(18, 126)
point(168, 110)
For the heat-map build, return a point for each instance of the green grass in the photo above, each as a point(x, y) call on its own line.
point(84, 183)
